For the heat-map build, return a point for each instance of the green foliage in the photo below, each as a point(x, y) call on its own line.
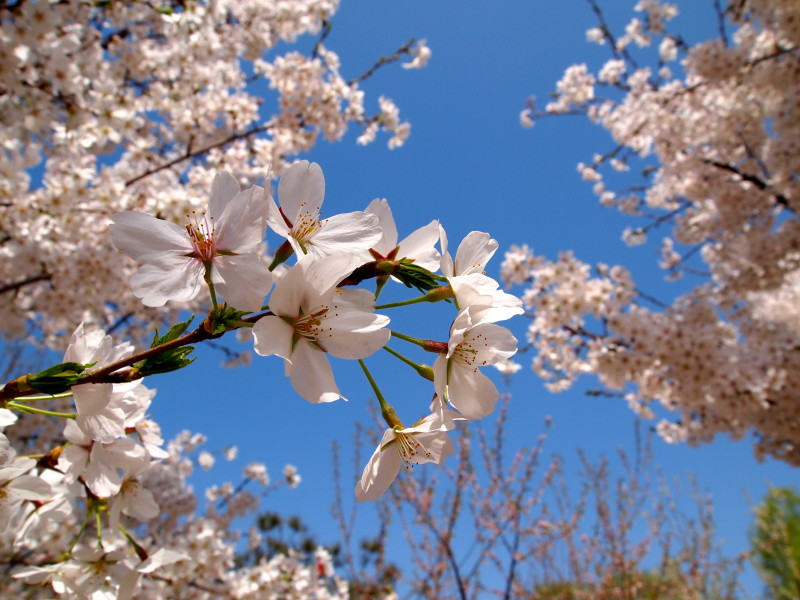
point(412, 275)
point(172, 360)
point(775, 539)
point(58, 378)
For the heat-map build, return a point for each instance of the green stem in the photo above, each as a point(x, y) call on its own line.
point(440, 293)
point(386, 409)
point(212, 291)
point(429, 345)
point(423, 370)
point(43, 397)
point(98, 522)
point(402, 303)
point(38, 411)
point(78, 535)
point(407, 338)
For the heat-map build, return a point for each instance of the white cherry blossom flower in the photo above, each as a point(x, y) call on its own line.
point(301, 192)
point(16, 487)
point(418, 246)
point(312, 317)
point(426, 441)
point(456, 375)
point(224, 240)
point(473, 253)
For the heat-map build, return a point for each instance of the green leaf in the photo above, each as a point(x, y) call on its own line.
point(58, 378)
point(226, 318)
point(167, 362)
point(417, 277)
point(174, 333)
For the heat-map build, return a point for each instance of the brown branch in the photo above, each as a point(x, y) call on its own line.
point(19, 284)
point(189, 154)
point(383, 61)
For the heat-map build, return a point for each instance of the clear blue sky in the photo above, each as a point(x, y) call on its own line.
point(469, 164)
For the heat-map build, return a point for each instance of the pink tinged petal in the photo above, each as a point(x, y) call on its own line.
point(388, 242)
point(223, 190)
point(470, 392)
point(474, 252)
point(145, 238)
point(273, 335)
point(381, 470)
point(311, 374)
point(96, 416)
point(301, 191)
point(244, 280)
point(177, 278)
point(353, 334)
point(349, 232)
point(240, 228)
point(420, 246)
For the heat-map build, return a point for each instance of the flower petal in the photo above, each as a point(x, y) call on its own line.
point(244, 280)
point(240, 228)
point(273, 335)
point(176, 278)
point(388, 242)
point(144, 238)
point(381, 470)
point(311, 374)
point(223, 189)
point(348, 232)
point(301, 191)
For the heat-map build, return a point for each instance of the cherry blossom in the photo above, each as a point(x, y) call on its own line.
point(426, 441)
point(301, 191)
point(456, 376)
point(312, 317)
point(719, 137)
point(220, 244)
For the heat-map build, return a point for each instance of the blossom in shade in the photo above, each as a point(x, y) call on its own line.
point(312, 317)
point(224, 241)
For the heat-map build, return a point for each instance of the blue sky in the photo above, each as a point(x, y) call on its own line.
point(469, 164)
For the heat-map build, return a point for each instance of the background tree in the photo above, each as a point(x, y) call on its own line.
point(775, 538)
point(713, 130)
point(112, 106)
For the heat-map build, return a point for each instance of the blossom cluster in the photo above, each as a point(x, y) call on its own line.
point(303, 306)
point(112, 106)
point(718, 134)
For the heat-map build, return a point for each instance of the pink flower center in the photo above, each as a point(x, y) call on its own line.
point(201, 232)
